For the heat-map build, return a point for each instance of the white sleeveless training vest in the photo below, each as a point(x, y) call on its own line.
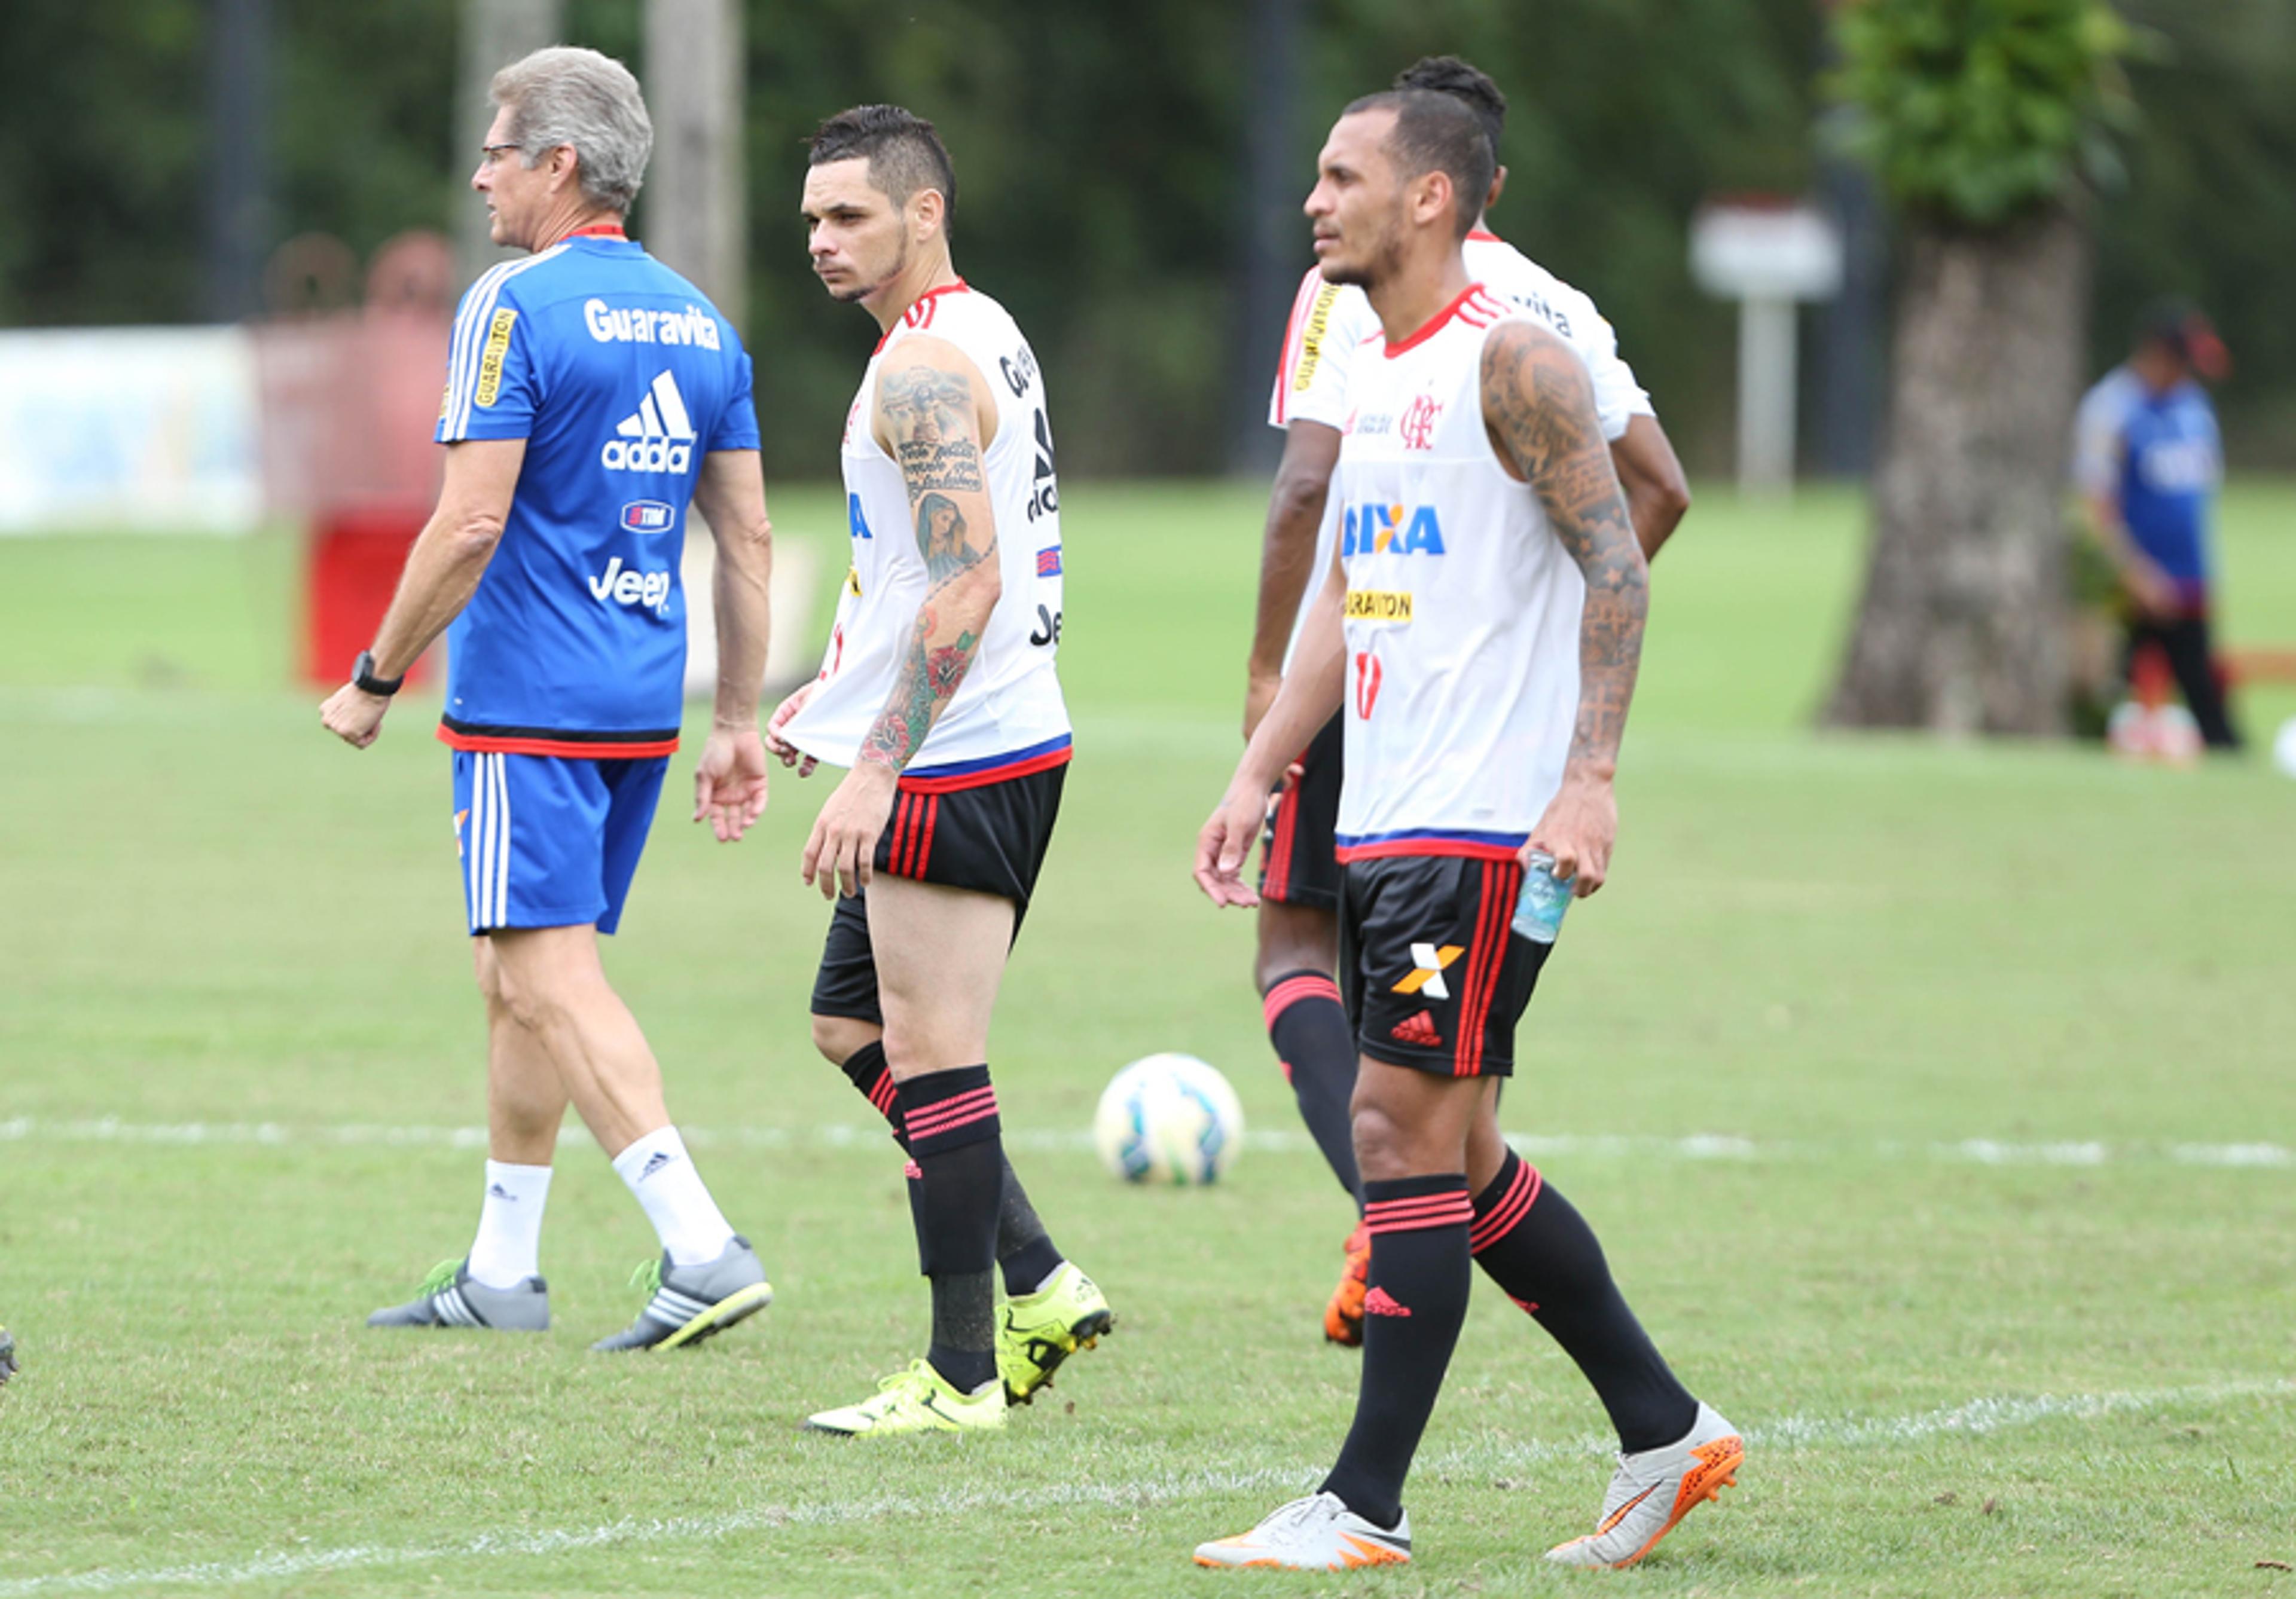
point(1333, 329)
point(1007, 716)
point(1462, 612)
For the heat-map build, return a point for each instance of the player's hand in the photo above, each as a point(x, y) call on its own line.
point(1580, 826)
point(789, 754)
point(1259, 693)
point(843, 847)
point(2151, 591)
point(1225, 844)
point(729, 782)
point(353, 715)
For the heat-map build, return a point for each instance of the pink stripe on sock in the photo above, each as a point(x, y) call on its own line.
point(962, 1110)
point(1292, 990)
point(1514, 1205)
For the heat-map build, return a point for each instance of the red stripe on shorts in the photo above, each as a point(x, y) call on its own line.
point(1278, 863)
point(924, 844)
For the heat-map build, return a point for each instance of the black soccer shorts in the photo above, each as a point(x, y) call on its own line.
point(1435, 978)
point(1298, 863)
point(990, 840)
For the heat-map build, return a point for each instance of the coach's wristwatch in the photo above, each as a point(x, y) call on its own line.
point(363, 676)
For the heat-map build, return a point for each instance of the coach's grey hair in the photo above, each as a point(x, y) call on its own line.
point(569, 96)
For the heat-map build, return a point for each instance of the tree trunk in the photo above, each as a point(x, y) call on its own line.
point(1962, 624)
point(694, 218)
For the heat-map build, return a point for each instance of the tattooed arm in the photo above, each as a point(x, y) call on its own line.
point(933, 415)
point(1538, 407)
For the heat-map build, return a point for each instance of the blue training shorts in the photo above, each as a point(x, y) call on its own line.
point(549, 840)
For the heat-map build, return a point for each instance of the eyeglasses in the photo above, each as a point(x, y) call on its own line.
point(493, 153)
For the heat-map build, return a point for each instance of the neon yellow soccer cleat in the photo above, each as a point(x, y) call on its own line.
point(916, 1398)
point(1036, 1331)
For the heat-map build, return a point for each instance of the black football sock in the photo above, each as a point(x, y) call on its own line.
point(865, 1068)
point(1533, 1244)
point(1309, 1026)
point(1412, 1310)
point(1025, 1253)
point(956, 1144)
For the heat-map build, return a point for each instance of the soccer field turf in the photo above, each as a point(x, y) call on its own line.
point(1936, 1104)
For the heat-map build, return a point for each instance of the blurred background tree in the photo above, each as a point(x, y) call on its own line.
point(1987, 122)
point(1102, 153)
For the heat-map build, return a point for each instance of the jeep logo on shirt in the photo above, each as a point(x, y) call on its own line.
point(619, 584)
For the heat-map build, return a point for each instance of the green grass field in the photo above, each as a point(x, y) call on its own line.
point(1935, 1104)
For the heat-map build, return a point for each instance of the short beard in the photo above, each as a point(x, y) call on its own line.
point(854, 296)
point(1386, 256)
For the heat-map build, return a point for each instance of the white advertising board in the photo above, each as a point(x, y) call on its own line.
point(142, 430)
point(1766, 253)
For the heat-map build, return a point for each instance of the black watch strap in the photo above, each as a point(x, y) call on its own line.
point(362, 676)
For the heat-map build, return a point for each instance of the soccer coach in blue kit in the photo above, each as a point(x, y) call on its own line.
point(592, 395)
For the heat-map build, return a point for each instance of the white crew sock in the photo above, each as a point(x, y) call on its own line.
point(508, 1248)
point(687, 1220)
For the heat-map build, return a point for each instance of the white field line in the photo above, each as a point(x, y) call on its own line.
point(871, 1138)
point(1486, 1456)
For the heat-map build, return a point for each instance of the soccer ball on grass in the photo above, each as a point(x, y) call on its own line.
point(1169, 1119)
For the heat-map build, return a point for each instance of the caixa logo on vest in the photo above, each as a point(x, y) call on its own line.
point(1391, 530)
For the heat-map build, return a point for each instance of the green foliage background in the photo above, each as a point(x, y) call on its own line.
point(1099, 150)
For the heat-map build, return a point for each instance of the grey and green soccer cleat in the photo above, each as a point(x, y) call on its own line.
point(7, 1355)
point(1037, 1331)
point(689, 1303)
point(450, 1296)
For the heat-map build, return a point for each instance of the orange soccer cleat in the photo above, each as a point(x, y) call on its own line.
point(1343, 1316)
point(1653, 1490)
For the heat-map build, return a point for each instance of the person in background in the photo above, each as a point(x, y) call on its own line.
point(2148, 461)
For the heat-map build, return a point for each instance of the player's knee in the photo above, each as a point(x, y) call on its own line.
point(1294, 939)
point(532, 999)
point(493, 981)
point(1384, 1145)
point(840, 1039)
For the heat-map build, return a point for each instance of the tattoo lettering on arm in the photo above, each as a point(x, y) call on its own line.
point(929, 412)
point(1538, 406)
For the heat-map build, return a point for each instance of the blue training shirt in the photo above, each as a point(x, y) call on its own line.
point(2160, 457)
point(620, 376)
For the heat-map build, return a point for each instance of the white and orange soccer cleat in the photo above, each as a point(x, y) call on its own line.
point(1654, 1490)
point(1343, 1316)
point(1318, 1533)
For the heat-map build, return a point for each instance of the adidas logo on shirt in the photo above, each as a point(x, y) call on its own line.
point(657, 437)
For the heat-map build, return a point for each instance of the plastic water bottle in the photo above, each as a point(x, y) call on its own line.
point(1538, 913)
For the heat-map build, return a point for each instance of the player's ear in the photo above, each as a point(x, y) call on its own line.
point(1430, 197)
point(1498, 187)
point(928, 208)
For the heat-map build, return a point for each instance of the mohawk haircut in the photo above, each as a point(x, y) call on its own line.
point(1471, 88)
point(1435, 133)
point(903, 152)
